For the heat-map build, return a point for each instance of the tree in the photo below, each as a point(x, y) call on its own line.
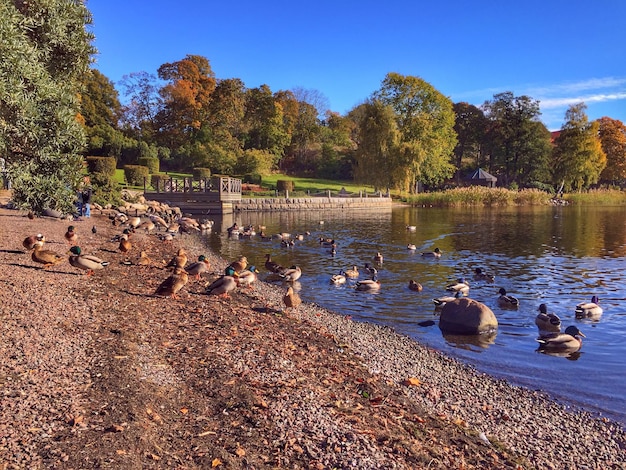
point(186, 96)
point(425, 120)
point(518, 144)
point(470, 126)
point(45, 49)
point(139, 115)
point(613, 139)
point(578, 158)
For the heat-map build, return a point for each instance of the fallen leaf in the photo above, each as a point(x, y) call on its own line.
point(120, 452)
point(411, 381)
point(216, 463)
point(240, 452)
point(184, 411)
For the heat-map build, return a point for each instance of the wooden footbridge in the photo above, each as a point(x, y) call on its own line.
point(215, 195)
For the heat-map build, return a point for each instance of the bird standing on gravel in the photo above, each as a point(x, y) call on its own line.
point(173, 284)
point(199, 267)
point(71, 236)
point(88, 263)
point(46, 257)
point(179, 260)
point(29, 242)
point(291, 299)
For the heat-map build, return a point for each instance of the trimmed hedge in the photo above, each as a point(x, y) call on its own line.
point(252, 178)
point(284, 185)
point(135, 174)
point(199, 173)
point(158, 180)
point(102, 165)
point(151, 162)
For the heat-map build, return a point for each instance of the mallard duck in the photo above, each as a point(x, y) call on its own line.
point(46, 257)
point(411, 228)
point(507, 300)
point(460, 286)
point(89, 263)
point(199, 267)
point(222, 286)
point(173, 284)
point(441, 301)
point(368, 285)
point(411, 247)
point(436, 253)
point(247, 277)
point(179, 260)
point(371, 270)
point(589, 309)
point(569, 341)
point(378, 258)
point(416, 286)
point(291, 299)
point(328, 242)
point(71, 236)
point(239, 265)
point(292, 274)
point(352, 273)
point(480, 275)
point(547, 321)
point(29, 242)
point(272, 266)
point(125, 244)
point(338, 279)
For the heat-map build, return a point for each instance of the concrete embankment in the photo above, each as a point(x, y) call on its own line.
point(311, 203)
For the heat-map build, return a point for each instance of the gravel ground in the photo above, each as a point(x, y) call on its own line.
point(96, 372)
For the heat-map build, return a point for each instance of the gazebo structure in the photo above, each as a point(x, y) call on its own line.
point(482, 178)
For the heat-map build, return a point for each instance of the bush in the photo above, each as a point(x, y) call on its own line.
point(284, 185)
point(251, 178)
point(135, 174)
point(158, 181)
point(151, 162)
point(200, 173)
point(101, 165)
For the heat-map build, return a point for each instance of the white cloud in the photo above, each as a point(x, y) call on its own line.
point(547, 103)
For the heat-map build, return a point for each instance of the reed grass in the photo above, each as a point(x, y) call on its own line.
point(481, 196)
point(597, 197)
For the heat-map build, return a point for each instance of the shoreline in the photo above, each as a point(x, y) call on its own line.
point(314, 384)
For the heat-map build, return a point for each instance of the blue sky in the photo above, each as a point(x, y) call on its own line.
point(555, 51)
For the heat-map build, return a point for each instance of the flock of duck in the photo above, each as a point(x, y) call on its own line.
point(550, 337)
point(237, 274)
point(240, 274)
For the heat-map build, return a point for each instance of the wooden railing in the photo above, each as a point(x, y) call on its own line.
point(219, 188)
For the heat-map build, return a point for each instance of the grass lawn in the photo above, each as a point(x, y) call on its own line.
point(314, 184)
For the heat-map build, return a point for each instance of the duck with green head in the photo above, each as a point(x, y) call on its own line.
point(567, 342)
point(88, 263)
point(201, 266)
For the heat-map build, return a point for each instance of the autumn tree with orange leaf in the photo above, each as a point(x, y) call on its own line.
point(613, 139)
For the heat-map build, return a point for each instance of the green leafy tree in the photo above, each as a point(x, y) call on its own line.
point(144, 104)
point(578, 158)
point(518, 144)
point(470, 125)
point(613, 139)
point(45, 49)
point(425, 120)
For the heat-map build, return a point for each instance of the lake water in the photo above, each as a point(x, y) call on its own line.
point(559, 256)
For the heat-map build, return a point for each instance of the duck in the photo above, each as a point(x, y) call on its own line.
point(199, 267)
point(239, 265)
point(333, 250)
point(436, 253)
point(179, 260)
point(368, 285)
point(71, 236)
point(372, 271)
point(89, 263)
point(327, 242)
point(46, 257)
point(173, 284)
point(415, 286)
point(222, 286)
point(147, 225)
point(158, 220)
point(506, 300)
point(291, 299)
point(125, 244)
point(569, 341)
point(29, 242)
point(480, 275)
point(133, 222)
point(378, 258)
point(339, 278)
point(352, 273)
point(292, 274)
point(589, 309)
point(460, 286)
point(272, 266)
point(547, 321)
point(440, 302)
point(411, 228)
point(411, 247)
point(143, 259)
point(247, 277)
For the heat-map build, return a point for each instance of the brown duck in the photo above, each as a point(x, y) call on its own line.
point(179, 260)
point(173, 284)
point(46, 257)
point(71, 236)
point(291, 299)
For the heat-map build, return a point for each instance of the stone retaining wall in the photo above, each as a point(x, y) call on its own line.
point(310, 203)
